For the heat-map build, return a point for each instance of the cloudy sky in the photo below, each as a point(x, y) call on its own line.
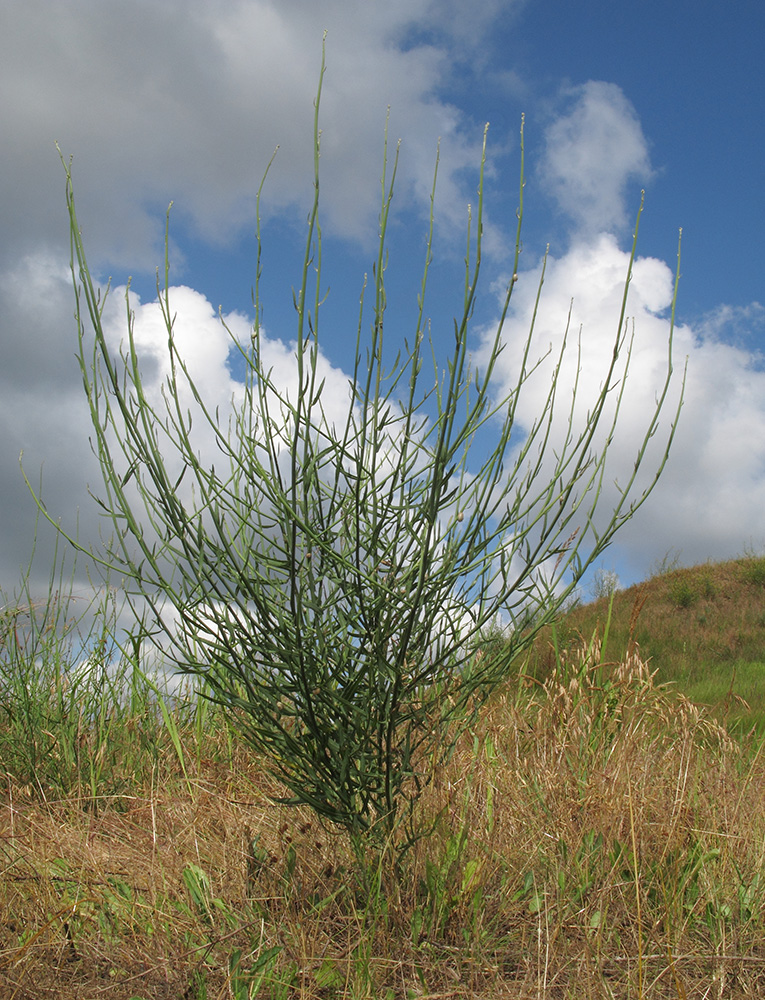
point(186, 100)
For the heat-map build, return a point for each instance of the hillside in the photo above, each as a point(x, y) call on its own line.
point(702, 629)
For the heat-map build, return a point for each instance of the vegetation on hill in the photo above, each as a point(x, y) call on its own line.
point(702, 629)
point(594, 834)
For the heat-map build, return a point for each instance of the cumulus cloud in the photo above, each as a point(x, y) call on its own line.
point(714, 483)
point(593, 150)
point(42, 408)
point(736, 324)
point(188, 99)
point(711, 501)
point(712, 489)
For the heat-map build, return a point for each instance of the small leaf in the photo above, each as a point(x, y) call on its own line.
point(328, 976)
point(536, 903)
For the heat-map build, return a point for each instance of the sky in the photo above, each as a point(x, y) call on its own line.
point(186, 101)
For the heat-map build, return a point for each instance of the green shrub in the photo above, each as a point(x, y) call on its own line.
point(754, 572)
point(682, 594)
point(332, 584)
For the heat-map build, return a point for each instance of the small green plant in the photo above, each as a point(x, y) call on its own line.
point(754, 571)
point(247, 975)
point(330, 583)
point(605, 583)
point(576, 875)
point(682, 594)
point(208, 906)
point(667, 563)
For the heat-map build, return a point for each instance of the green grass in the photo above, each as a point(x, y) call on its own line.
point(702, 629)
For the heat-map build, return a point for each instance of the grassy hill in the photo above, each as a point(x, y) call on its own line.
point(701, 629)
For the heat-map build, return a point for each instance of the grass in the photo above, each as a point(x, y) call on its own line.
point(596, 835)
point(702, 629)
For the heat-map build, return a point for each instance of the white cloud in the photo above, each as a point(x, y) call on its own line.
point(711, 497)
point(735, 324)
point(710, 501)
point(188, 99)
point(592, 151)
point(42, 408)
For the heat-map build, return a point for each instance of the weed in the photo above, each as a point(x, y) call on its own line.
point(754, 572)
point(604, 584)
point(682, 594)
point(329, 586)
point(666, 564)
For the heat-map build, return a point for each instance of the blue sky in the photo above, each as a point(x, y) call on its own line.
point(185, 100)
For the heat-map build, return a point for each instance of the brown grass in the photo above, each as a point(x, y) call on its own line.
point(595, 837)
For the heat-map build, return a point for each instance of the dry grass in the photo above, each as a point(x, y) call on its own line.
point(702, 628)
point(593, 837)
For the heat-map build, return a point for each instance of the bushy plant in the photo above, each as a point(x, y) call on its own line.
point(754, 571)
point(331, 583)
point(682, 593)
point(605, 583)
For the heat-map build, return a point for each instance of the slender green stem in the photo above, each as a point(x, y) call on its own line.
point(330, 584)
